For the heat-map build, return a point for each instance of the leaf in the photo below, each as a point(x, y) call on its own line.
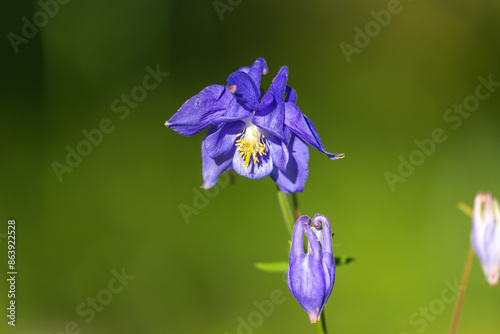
point(465, 208)
point(272, 267)
point(343, 260)
point(281, 266)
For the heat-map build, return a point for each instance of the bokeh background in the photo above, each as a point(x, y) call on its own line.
point(120, 206)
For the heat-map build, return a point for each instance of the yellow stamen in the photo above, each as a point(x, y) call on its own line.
point(250, 144)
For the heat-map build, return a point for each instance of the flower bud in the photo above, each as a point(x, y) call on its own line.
point(310, 276)
point(485, 235)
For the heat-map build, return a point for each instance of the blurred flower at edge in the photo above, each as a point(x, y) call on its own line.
point(485, 235)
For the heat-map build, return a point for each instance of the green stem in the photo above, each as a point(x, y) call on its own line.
point(286, 212)
point(461, 291)
point(465, 274)
point(296, 209)
point(321, 324)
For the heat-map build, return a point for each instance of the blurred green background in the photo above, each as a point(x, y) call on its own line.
point(119, 207)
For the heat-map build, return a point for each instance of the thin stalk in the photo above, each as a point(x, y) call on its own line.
point(465, 275)
point(461, 291)
point(296, 209)
point(286, 212)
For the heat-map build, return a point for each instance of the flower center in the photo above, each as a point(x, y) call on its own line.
point(250, 144)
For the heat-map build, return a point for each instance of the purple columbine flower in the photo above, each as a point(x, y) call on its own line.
point(255, 134)
point(485, 235)
point(310, 276)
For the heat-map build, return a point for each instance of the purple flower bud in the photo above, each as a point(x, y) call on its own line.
point(485, 235)
point(310, 276)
